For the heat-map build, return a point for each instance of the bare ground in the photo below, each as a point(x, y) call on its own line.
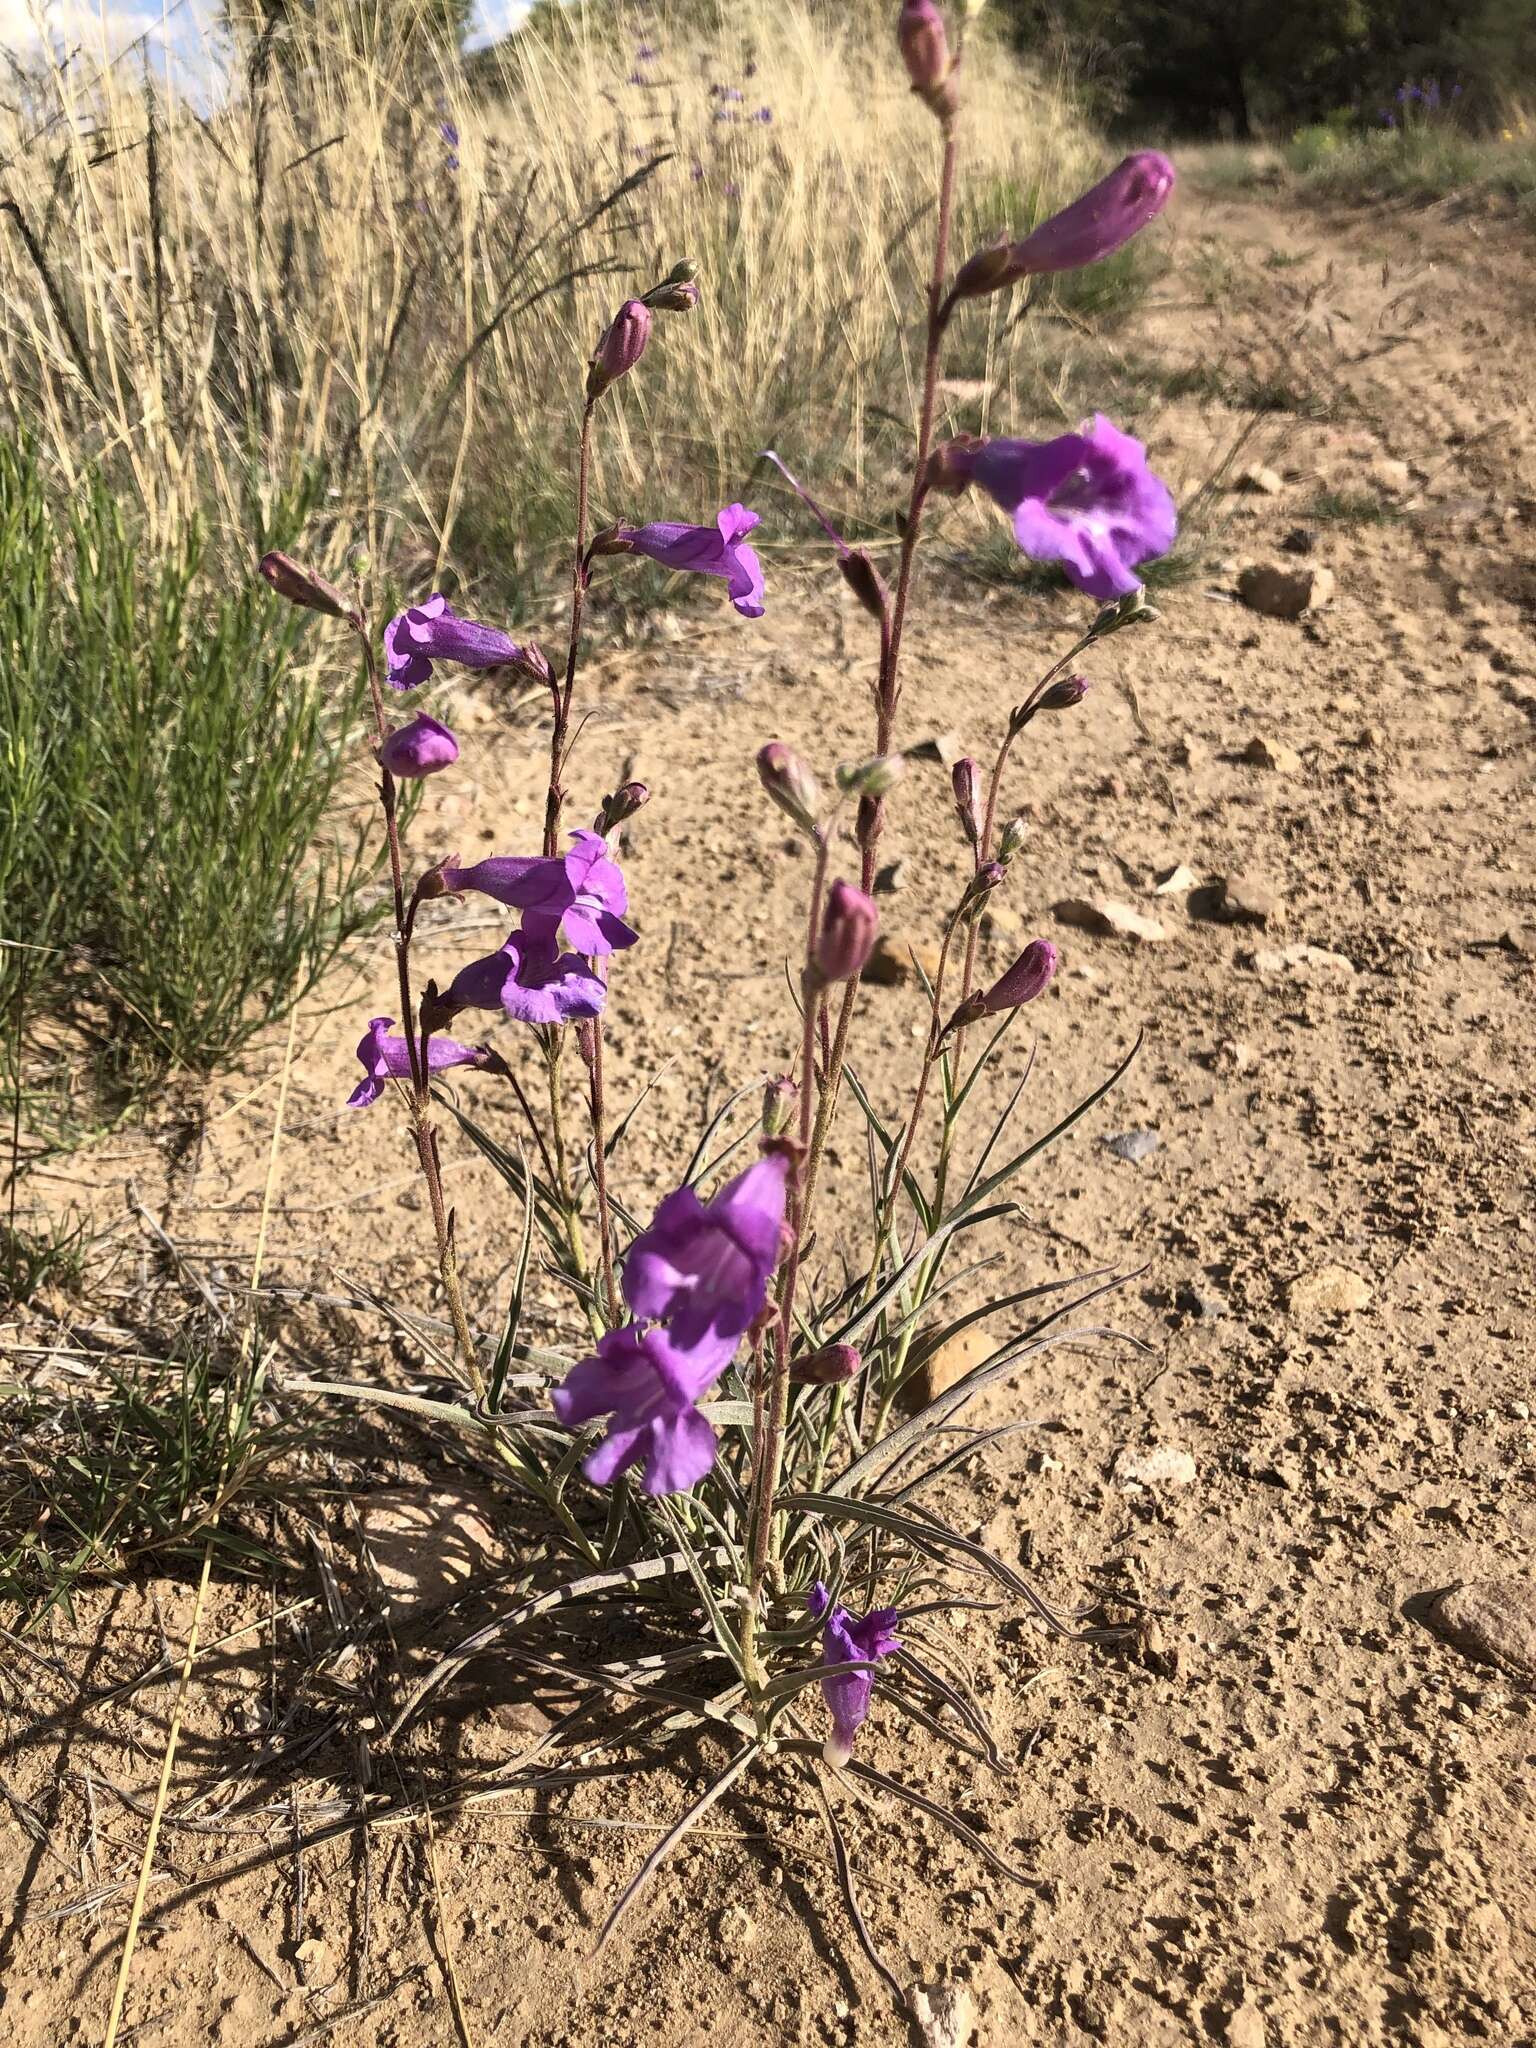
point(1296, 1813)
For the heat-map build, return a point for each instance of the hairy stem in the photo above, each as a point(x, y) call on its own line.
point(593, 1045)
point(565, 689)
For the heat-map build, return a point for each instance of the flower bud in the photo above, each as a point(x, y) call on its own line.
point(622, 346)
point(924, 50)
point(1103, 220)
point(991, 268)
point(418, 749)
point(623, 804)
point(952, 463)
point(1130, 610)
point(359, 561)
point(965, 780)
point(872, 777)
point(1063, 695)
point(865, 581)
point(682, 273)
point(1029, 976)
point(673, 298)
point(834, 1365)
point(847, 933)
point(989, 876)
point(533, 661)
point(790, 783)
point(780, 1098)
point(1011, 841)
point(302, 586)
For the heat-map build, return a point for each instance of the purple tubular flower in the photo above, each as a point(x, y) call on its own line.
point(420, 748)
point(1029, 976)
point(449, 133)
point(430, 632)
point(703, 1268)
point(530, 981)
point(845, 1640)
point(621, 347)
point(718, 550)
point(847, 933)
point(1086, 500)
point(1103, 220)
point(579, 897)
point(649, 1385)
point(924, 46)
point(385, 1056)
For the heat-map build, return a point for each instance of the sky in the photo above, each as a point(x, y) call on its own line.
point(180, 34)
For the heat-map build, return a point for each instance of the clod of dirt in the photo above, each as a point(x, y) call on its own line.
point(1133, 1145)
point(1305, 963)
point(945, 2014)
point(1281, 593)
point(1330, 1291)
point(895, 962)
point(1175, 881)
point(1520, 939)
point(1266, 483)
point(1249, 899)
point(1493, 1620)
point(1301, 540)
point(946, 1366)
point(1245, 2027)
point(426, 1543)
point(1110, 918)
point(1277, 755)
point(1160, 1465)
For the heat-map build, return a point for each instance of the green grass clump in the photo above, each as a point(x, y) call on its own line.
point(169, 878)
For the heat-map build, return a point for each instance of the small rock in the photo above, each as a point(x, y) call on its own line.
point(1493, 1620)
point(943, 747)
point(1284, 593)
point(1520, 939)
point(1233, 1055)
point(1330, 1291)
point(1204, 1302)
point(1175, 881)
point(945, 2014)
point(1110, 919)
point(1133, 1145)
point(1301, 540)
point(889, 879)
point(1192, 753)
point(1248, 899)
point(1305, 962)
point(1264, 483)
point(944, 1368)
point(1160, 1465)
point(1276, 755)
point(734, 1927)
point(1245, 2027)
point(895, 962)
point(314, 1961)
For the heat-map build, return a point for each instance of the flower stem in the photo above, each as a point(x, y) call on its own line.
point(565, 689)
point(420, 1094)
point(592, 1046)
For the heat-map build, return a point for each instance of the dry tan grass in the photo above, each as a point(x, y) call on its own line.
point(206, 302)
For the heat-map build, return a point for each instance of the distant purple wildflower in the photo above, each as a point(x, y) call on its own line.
point(386, 1056)
point(414, 639)
point(718, 550)
point(420, 748)
point(846, 1640)
point(763, 114)
point(529, 981)
point(637, 78)
point(578, 897)
point(649, 1385)
point(1086, 500)
point(645, 52)
point(703, 1268)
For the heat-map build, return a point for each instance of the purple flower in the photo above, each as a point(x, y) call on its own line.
point(644, 52)
point(449, 133)
point(530, 981)
point(385, 1056)
point(417, 749)
point(924, 50)
point(1095, 225)
point(637, 78)
point(430, 632)
point(718, 550)
point(847, 934)
point(847, 1641)
point(1086, 500)
point(579, 897)
point(1029, 976)
point(703, 1268)
point(763, 114)
point(621, 346)
point(649, 1385)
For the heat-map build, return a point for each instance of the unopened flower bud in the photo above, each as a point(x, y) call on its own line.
point(624, 803)
point(780, 1099)
point(952, 464)
point(1011, 841)
point(682, 273)
point(418, 749)
point(1063, 695)
point(359, 561)
point(622, 346)
point(834, 1365)
point(1103, 220)
point(865, 581)
point(790, 783)
point(991, 268)
point(1029, 976)
point(673, 298)
point(924, 47)
point(965, 780)
point(301, 586)
point(989, 876)
point(533, 661)
point(847, 933)
point(872, 777)
point(1130, 610)
point(436, 1013)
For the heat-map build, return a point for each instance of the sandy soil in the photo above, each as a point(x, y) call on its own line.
point(1299, 1814)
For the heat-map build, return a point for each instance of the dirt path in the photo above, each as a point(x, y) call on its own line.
point(1300, 1816)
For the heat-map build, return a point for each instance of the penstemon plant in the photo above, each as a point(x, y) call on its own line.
point(750, 1515)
